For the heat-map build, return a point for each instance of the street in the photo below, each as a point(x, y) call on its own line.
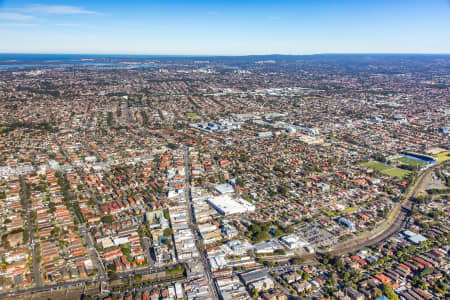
point(198, 240)
point(34, 251)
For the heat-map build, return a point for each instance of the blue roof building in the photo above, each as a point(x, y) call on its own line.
point(347, 223)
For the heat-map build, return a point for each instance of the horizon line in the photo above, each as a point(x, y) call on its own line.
point(226, 55)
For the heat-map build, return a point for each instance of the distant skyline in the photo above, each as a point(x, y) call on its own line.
point(245, 27)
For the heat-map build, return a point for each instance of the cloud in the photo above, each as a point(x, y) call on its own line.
point(59, 10)
point(68, 25)
point(15, 17)
point(18, 25)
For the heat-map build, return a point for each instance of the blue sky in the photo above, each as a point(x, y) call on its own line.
point(225, 27)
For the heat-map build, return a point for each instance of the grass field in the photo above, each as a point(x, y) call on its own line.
point(386, 169)
point(376, 165)
point(329, 213)
point(410, 162)
point(349, 210)
point(442, 156)
point(333, 214)
point(191, 115)
point(396, 172)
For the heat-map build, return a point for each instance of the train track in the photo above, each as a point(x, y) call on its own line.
point(393, 227)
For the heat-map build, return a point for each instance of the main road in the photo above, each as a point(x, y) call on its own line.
point(213, 288)
point(48, 288)
point(81, 282)
point(24, 194)
point(95, 256)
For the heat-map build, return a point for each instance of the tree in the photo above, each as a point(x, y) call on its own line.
point(306, 276)
point(339, 263)
point(166, 214)
point(113, 275)
point(240, 182)
point(26, 236)
point(108, 219)
point(54, 231)
point(269, 263)
point(169, 244)
point(346, 276)
point(172, 146)
point(377, 293)
point(261, 236)
point(297, 261)
point(284, 190)
point(168, 232)
point(331, 282)
point(125, 250)
point(389, 292)
point(426, 272)
point(280, 252)
point(255, 293)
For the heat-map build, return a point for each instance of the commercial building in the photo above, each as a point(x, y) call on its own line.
point(413, 237)
point(226, 205)
point(292, 241)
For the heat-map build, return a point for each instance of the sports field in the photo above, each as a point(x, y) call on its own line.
point(376, 165)
point(442, 156)
point(396, 172)
point(410, 161)
point(386, 169)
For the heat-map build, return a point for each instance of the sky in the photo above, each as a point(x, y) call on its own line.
point(244, 27)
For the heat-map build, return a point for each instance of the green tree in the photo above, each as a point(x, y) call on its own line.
point(108, 219)
point(297, 261)
point(306, 276)
point(168, 232)
point(280, 252)
point(113, 275)
point(166, 214)
point(346, 276)
point(255, 293)
point(377, 293)
point(389, 292)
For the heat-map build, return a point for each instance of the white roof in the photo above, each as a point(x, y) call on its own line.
point(227, 205)
point(224, 188)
